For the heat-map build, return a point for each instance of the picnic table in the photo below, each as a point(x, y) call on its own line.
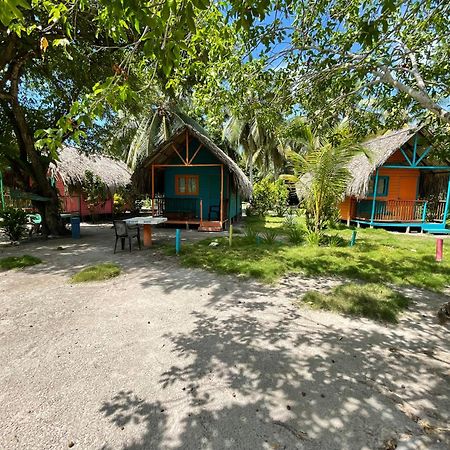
point(147, 221)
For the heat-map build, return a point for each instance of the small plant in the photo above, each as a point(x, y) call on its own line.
point(99, 272)
point(269, 236)
point(334, 241)
point(250, 233)
point(18, 262)
point(296, 234)
point(314, 238)
point(13, 223)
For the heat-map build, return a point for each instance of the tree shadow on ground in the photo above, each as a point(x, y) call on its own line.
point(284, 380)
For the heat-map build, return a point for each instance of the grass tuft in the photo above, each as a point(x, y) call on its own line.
point(371, 300)
point(18, 262)
point(99, 272)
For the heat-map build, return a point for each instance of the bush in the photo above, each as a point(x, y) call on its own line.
point(296, 234)
point(269, 195)
point(13, 223)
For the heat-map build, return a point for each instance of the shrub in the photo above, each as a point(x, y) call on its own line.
point(314, 238)
point(269, 195)
point(13, 223)
point(269, 236)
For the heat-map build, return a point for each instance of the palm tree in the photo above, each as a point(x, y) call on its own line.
point(259, 144)
point(319, 163)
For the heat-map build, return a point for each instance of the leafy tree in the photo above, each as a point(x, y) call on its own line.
point(268, 196)
point(320, 171)
point(389, 57)
point(64, 64)
point(95, 191)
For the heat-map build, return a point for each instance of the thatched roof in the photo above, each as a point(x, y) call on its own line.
point(142, 176)
point(73, 164)
point(379, 149)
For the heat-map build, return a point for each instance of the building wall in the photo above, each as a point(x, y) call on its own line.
point(73, 202)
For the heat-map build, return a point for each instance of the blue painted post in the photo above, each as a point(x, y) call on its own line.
point(353, 239)
point(177, 241)
point(424, 212)
point(415, 150)
point(447, 203)
point(375, 189)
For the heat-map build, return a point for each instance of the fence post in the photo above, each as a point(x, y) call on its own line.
point(177, 240)
point(353, 239)
point(230, 235)
point(439, 249)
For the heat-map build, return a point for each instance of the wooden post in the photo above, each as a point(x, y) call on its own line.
point(230, 235)
point(439, 249)
point(153, 189)
point(221, 194)
point(201, 211)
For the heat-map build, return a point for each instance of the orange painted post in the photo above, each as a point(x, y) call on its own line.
point(439, 249)
point(147, 235)
point(221, 193)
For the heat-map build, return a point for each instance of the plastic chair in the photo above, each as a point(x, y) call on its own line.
point(123, 231)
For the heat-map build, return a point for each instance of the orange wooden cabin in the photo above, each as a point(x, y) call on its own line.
point(401, 185)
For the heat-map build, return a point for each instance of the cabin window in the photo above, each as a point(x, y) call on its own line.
point(186, 184)
point(382, 187)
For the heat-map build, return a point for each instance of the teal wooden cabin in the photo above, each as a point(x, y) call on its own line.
point(191, 181)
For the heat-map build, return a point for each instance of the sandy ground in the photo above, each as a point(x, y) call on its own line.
point(165, 357)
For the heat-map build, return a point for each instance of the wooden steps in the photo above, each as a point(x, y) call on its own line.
point(213, 225)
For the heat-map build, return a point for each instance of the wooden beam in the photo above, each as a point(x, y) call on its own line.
point(187, 147)
point(182, 160)
point(195, 154)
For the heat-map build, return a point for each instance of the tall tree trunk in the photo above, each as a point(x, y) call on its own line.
point(52, 223)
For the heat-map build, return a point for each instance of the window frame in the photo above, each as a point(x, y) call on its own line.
point(186, 183)
point(386, 186)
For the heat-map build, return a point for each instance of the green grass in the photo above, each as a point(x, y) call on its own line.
point(99, 272)
point(372, 300)
point(18, 262)
point(378, 256)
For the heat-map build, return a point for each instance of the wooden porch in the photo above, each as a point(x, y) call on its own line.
point(399, 211)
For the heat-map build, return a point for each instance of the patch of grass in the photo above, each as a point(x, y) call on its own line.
point(371, 300)
point(99, 272)
point(378, 256)
point(18, 262)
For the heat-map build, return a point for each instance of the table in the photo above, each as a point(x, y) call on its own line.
point(147, 221)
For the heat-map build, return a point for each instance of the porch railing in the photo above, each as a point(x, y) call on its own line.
point(178, 208)
point(435, 211)
point(393, 210)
